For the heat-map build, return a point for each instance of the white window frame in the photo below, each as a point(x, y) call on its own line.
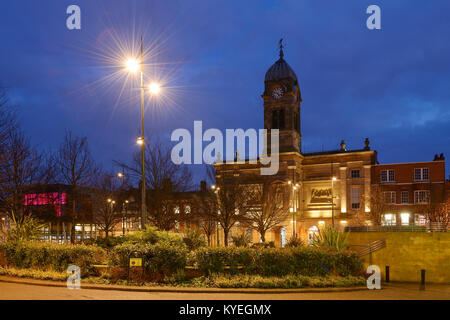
point(392, 197)
point(390, 173)
point(417, 196)
point(403, 198)
point(423, 174)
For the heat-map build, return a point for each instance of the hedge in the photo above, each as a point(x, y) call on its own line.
point(48, 256)
point(279, 262)
point(161, 257)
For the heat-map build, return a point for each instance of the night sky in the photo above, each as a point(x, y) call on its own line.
point(390, 85)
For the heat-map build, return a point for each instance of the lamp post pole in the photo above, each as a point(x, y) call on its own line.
point(332, 201)
point(143, 193)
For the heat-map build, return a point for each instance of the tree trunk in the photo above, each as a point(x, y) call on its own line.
point(263, 235)
point(225, 236)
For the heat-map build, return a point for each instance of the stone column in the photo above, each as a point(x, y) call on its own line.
point(367, 188)
point(343, 189)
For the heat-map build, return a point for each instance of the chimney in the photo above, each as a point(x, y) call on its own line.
point(441, 157)
point(203, 185)
point(436, 158)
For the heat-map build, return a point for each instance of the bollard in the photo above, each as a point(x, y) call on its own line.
point(422, 279)
point(387, 274)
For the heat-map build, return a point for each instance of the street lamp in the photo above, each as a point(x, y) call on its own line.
point(333, 179)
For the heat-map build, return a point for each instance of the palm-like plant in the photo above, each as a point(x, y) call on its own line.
point(331, 238)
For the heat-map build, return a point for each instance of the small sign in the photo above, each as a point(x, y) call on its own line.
point(135, 262)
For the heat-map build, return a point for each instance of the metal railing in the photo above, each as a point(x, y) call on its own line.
point(431, 227)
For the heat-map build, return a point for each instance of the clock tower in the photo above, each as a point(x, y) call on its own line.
point(282, 100)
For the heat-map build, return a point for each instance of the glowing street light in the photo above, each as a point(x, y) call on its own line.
point(154, 88)
point(140, 141)
point(132, 65)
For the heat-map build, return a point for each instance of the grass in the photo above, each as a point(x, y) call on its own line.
point(212, 281)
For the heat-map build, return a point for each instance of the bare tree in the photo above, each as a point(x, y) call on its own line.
point(267, 208)
point(76, 168)
point(232, 196)
point(164, 179)
point(206, 213)
point(105, 202)
point(20, 167)
point(378, 204)
point(437, 209)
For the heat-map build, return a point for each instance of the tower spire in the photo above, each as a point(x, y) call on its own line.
point(280, 43)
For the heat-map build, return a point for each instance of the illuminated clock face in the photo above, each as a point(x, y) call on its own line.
point(277, 93)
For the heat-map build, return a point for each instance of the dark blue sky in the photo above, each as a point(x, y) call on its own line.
point(392, 86)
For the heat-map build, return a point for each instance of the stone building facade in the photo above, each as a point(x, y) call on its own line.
point(328, 188)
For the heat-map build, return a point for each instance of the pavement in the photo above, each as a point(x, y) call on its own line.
point(25, 289)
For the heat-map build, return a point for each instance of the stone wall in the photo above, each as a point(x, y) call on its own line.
point(406, 253)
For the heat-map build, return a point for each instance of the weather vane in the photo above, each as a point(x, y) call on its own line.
point(280, 43)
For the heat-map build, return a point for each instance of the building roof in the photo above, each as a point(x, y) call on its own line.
point(280, 70)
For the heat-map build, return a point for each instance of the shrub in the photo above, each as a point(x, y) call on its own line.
point(194, 239)
point(152, 235)
point(285, 282)
point(27, 230)
point(294, 242)
point(262, 245)
point(331, 238)
point(48, 256)
point(278, 262)
point(163, 257)
point(242, 240)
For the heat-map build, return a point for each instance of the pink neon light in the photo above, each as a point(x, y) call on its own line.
point(54, 198)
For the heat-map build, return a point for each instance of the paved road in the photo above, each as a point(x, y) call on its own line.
point(12, 291)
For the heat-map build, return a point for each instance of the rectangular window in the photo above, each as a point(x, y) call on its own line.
point(388, 219)
point(421, 174)
point(421, 196)
point(405, 219)
point(355, 197)
point(405, 197)
point(187, 209)
point(387, 176)
point(390, 197)
point(355, 174)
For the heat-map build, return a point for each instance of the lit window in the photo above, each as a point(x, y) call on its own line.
point(421, 174)
point(177, 210)
point(355, 174)
point(421, 196)
point(405, 197)
point(405, 219)
point(389, 219)
point(187, 209)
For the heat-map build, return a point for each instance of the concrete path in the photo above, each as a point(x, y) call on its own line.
point(10, 291)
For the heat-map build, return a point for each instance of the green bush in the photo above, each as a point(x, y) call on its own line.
point(152, 235)
point(278, 262)
point(164, 257)
point(194, 239)
point(242, 240)
point(284, 282)
point(48, 256)
point(294, 242)
point(331, 238)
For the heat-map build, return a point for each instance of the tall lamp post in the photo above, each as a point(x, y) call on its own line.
point(133, 66)
point(333, 179)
